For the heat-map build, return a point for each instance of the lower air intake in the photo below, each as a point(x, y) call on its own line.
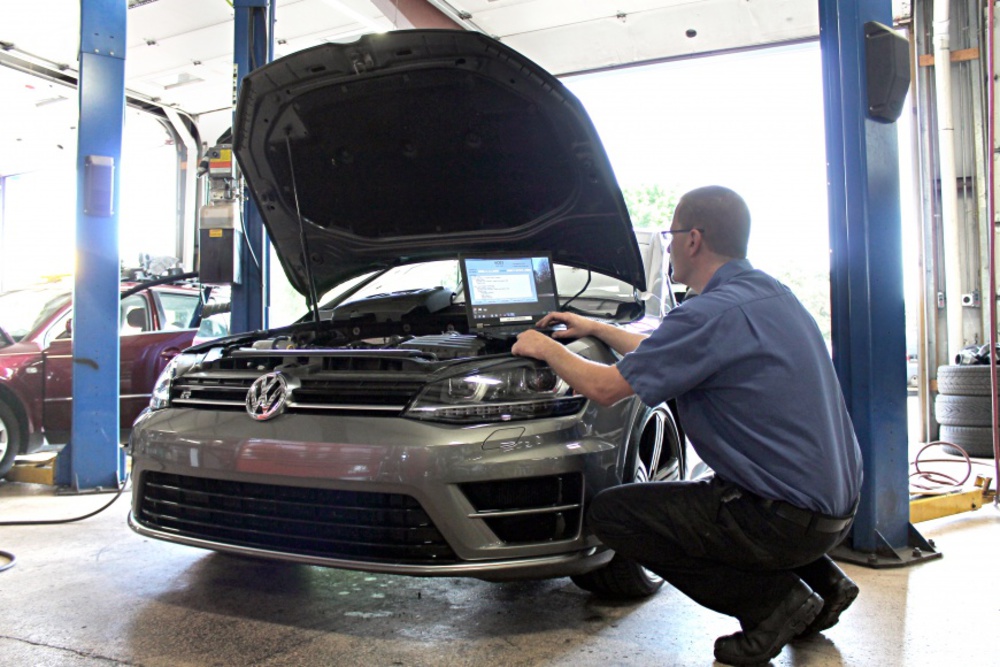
point(358, 526)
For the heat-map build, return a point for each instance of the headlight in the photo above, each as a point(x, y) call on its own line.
point(522, 391)
point(177, 366)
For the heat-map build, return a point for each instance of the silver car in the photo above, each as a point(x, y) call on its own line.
point(383, 431)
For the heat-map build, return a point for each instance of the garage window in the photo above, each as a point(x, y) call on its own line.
point(177, 310)
point(134, 315)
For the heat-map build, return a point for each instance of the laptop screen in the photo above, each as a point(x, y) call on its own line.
point(508, 290)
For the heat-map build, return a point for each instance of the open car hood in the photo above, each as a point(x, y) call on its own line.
point(419, 145)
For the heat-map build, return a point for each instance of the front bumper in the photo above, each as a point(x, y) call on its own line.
point(499, 501)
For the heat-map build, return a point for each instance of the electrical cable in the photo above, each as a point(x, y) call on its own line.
point(246, 236)
point(146, 284)
point(933, 482)
point(132, 290)
point(48, 522)
point(585, 286)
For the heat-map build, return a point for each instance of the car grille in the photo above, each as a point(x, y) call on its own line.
point(348, 381)
point(536, 509)
point(219, 391)
point(349, 525)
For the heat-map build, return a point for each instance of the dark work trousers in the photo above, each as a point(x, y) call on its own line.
point(715, 542)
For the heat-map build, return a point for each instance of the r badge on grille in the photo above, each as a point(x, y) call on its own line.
point(267, 397)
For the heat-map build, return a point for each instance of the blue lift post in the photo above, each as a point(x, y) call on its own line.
point(95, 459)
point(253, 46)
point(867, 287)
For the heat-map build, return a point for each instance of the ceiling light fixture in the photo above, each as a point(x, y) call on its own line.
point(183, 79)
point(50, 100)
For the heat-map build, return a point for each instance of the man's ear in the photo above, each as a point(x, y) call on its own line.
point(695, 240)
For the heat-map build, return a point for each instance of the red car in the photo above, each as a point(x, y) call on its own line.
point(36, 350)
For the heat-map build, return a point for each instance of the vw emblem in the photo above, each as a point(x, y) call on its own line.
point(267, 396)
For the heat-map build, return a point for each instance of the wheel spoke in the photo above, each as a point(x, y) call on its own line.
point(667, 472)
point(654, 456)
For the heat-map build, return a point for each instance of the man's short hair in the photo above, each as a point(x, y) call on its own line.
point(721, 215)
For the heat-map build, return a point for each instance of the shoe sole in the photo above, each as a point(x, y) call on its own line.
point(803, 616)
point(844, 594)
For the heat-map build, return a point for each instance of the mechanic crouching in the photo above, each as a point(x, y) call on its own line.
point(761, 404)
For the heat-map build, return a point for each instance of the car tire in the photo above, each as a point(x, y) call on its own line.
point(654, 453)
point(964, 380)
point(10, 438)
point(975, 440)
point(963, 410)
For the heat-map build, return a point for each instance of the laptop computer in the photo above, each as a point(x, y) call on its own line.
point(507, 293)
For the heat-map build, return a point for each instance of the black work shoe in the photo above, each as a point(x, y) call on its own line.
point(758, 646)
point(836, 599)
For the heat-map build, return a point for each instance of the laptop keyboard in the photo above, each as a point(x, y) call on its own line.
point(513, 331)
point(503, 332)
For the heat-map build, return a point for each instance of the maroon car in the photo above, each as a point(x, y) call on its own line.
point(36, 350)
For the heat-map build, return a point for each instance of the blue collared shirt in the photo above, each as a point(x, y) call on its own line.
point(756, 390)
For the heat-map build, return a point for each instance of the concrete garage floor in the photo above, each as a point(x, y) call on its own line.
point(95, 594)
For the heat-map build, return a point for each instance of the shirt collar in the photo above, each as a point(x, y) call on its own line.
point(727, 272)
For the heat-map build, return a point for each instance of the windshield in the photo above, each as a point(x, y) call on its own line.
point(409, 277)
point(22, 311)
point(569, 282)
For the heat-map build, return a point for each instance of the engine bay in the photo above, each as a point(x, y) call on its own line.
point(438, 346)
point(429, 322)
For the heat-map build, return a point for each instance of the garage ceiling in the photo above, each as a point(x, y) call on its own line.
point(180, 52)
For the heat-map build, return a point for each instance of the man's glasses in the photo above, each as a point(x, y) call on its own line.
point(681, 231)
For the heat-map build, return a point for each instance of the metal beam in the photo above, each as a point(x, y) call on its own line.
point(94, 456)
point(867, 285)
point(935, 507)
point(253, 47)
point(187, 188)
point(65, 76)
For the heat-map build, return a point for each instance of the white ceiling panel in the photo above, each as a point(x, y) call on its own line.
point(50, 29)
point(30, 103)
point(186, 48)
point(331, 16)
point(512, 17)
point(191, 68)
point(566, 36)
point(180, 52)
point(157, 22)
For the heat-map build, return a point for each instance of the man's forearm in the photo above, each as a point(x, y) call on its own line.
point(598, 382)
point(618, 339)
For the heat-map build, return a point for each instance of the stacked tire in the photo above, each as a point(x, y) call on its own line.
point(964, 409)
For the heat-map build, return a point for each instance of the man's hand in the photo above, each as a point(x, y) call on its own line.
point(600, 383)
point(533, 344)
point(577, 326)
